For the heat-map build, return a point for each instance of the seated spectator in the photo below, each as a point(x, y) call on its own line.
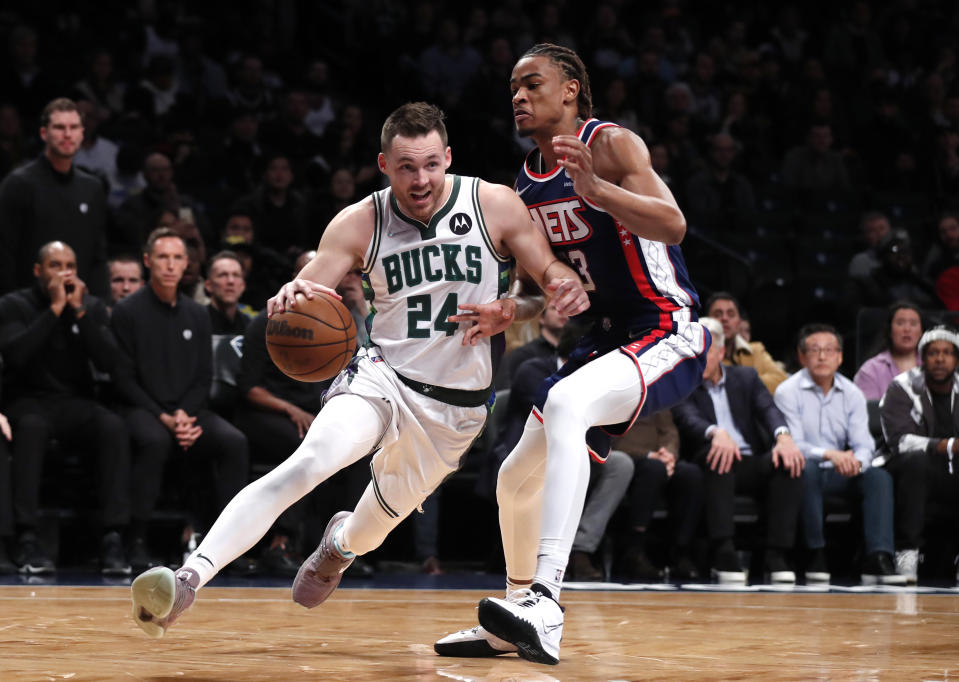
point(653, 443)
point(815, 165)
point(719, 199)
point(900, 354)
point(289, 134)
point(277, 210)
point(828, 419)
point(724, 307)
point(734, 432)
point(920, 420)
point(264, 270)
point(6, 497)
point(897, 278)
point(126, 276)
point(340, 193)
point(100, 85)
point(941, 266)
point(551, 324)
point(50, 335)
point(96, 154)
point(135, 217)
point(163, 374)
point(874, 226)
point(225, 284)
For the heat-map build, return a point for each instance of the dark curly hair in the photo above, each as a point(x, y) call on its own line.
point(572, 67)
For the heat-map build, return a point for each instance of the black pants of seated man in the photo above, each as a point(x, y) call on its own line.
point(778, 496)
point(79, 423)
point(218, 460)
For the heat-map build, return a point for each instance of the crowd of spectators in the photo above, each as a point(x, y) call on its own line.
point(814, 149)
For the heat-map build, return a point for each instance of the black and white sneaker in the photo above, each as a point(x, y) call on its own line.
point(113, 560)
point(777, 570)
point(878, 569)
point(817, 571)
point(530, 619)
point(31, 558)
point(726, 569)
point(473, 643)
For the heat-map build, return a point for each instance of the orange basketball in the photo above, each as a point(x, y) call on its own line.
point(314, 340)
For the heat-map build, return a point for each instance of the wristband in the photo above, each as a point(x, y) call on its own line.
point(949, 452)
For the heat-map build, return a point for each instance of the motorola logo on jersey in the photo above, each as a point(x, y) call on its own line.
point(561, 221)
point(461, 224)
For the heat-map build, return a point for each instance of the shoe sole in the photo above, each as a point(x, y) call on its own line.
point(729, 577)
point(898, 581)
point(818, 578)
point(476, 648)
point(782, 578)
point(153, 596)
point(124, 570)
point(503, 624)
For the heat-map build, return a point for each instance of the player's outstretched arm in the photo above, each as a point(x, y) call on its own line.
point(341, 249)
point(615, 173)
point(509, 219)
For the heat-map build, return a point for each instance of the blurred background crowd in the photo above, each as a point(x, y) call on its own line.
point(814, 149)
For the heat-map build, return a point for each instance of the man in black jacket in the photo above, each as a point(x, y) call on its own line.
point(163, 373)
point(49, 335)
point(920, 424)
point(743, 445)
point(49, 199)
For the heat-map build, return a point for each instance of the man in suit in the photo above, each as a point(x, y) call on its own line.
point(744, 446)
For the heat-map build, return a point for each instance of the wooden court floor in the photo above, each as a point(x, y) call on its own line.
point(85, 633)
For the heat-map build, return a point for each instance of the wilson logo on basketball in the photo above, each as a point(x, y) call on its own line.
point(281, 328)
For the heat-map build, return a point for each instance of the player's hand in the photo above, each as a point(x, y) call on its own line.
point(786, 454)
point(577, 159)
point(844, 461)
point(285, 298)
point(667, 458)
point(5, 428)
point(301, 418)
point(56, 289)
point(75, 288)
point(722, 452)
point(485, 319)
point(568, 296)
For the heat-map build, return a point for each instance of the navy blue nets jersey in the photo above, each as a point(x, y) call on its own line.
point(627, 277)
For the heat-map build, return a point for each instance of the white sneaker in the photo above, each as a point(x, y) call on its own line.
point(907, 565)
point(529, 619)
point(473, 643)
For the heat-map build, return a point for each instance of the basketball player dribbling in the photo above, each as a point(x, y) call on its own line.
point(416, 396)
point(590, 186)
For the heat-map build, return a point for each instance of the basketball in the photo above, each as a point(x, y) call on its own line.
point(314, 340)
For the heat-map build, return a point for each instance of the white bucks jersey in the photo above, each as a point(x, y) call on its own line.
point(419, 274)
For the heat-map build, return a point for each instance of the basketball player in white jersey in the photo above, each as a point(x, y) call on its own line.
point(416, 396)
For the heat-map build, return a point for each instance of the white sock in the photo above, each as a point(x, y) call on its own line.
point(345, 430)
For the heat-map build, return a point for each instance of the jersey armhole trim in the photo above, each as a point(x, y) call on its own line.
point(374, 247)
point(482, 224)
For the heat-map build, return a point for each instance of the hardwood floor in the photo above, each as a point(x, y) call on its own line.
point(84, 633)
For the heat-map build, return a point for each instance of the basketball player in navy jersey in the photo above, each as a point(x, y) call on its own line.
point(590, 187)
